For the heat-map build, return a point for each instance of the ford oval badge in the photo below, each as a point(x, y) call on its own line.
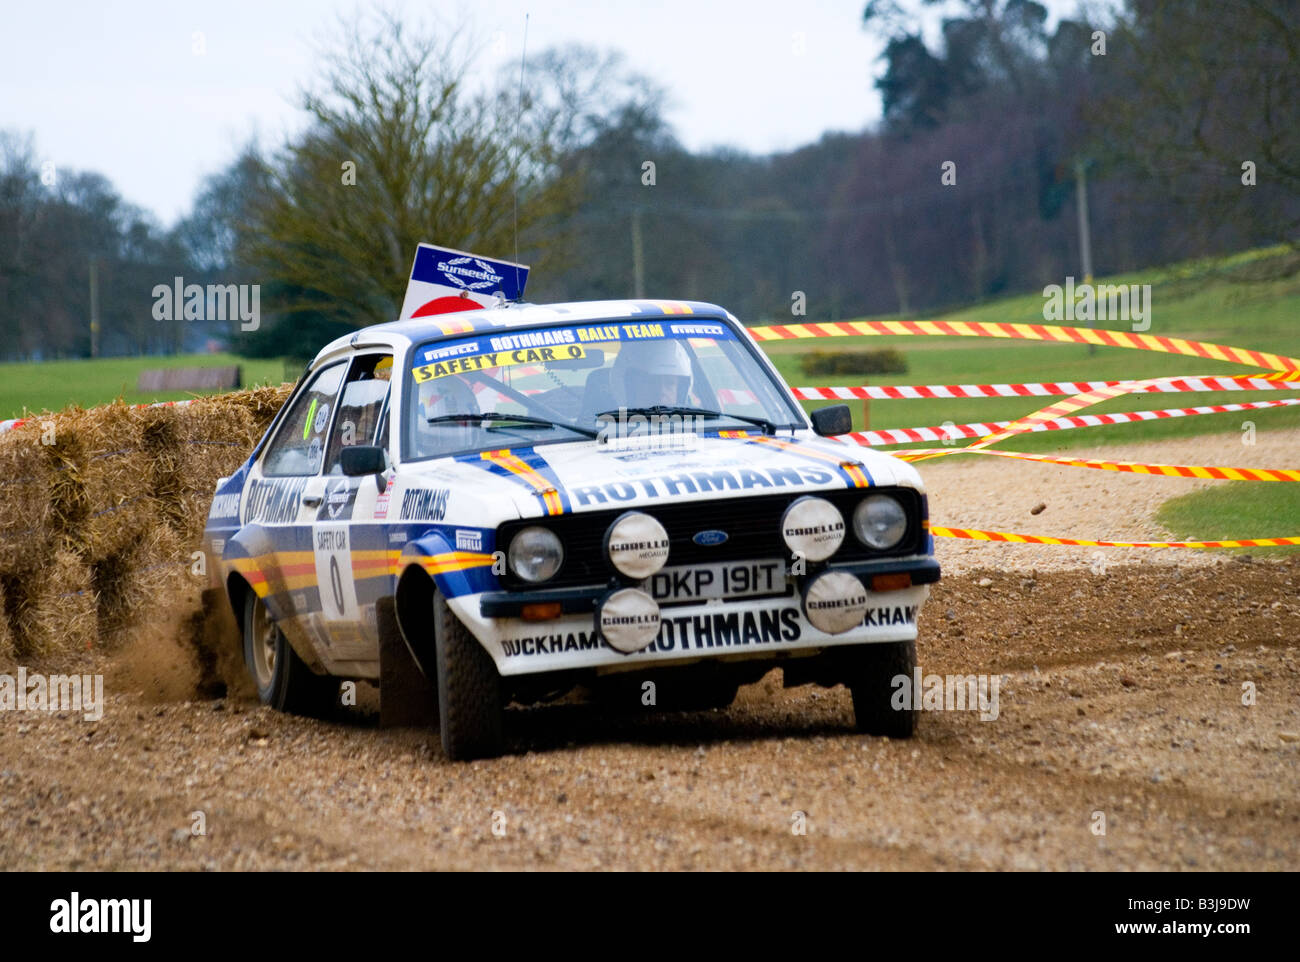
point(710, 537)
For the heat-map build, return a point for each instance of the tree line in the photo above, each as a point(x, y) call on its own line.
point(1178, 117)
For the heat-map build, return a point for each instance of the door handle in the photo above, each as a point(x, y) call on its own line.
point(312, 500)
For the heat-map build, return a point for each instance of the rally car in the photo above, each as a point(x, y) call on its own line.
point(621, 497)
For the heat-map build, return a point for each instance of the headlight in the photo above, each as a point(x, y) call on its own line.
point(879, 521)
point(535, 554)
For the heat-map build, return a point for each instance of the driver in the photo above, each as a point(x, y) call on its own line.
point(650, 374)
point(451, 394)
point(447, 395)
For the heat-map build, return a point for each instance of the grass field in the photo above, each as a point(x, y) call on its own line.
point(1199, 301)
point(1221, 513)
point(53, 385)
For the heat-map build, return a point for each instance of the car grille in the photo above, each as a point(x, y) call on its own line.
point(753, 527)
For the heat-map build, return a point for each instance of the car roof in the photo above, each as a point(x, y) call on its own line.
point(419, 330)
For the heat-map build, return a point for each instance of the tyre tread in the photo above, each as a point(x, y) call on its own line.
point(873, 668)
point(469, 690)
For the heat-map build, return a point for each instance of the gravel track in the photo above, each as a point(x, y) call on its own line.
point(1121, 691)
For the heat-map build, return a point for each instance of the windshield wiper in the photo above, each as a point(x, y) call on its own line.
point(669, 409)
point(520, 418)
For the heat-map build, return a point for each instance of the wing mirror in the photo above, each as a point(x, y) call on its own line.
point(832, 420)
point(363, 459)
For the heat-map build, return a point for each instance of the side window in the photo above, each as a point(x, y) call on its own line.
point(360, 405)
point(299, 446)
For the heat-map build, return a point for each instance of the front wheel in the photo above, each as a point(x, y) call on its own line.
point(283, 679)
point(871, 675)
point(469, 690)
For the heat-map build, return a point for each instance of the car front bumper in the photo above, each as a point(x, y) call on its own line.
point(758, 627)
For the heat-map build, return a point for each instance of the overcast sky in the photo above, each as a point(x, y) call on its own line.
point(117, 87)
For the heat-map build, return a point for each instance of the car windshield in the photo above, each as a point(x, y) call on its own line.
point(606, 379)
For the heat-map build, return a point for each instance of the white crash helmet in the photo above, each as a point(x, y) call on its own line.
point(447, 395)
point(646, 373)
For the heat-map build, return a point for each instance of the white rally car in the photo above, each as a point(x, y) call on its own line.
point(503, 504)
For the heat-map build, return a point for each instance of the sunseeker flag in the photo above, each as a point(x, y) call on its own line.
point(445, 280)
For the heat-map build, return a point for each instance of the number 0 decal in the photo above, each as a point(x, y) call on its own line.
point(336, 582)
point(338, 593)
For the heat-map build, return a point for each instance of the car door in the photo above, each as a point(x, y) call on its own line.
point(349, 553)
point(283, 500)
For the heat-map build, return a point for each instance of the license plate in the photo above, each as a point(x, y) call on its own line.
point(729, 579)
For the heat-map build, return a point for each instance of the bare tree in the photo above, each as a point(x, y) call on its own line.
point(400, 150)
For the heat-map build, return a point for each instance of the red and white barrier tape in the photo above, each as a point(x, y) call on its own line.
point(983, 429)
point(13, 423)
point(899, 392)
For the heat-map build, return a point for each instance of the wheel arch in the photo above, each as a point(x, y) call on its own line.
point(413, 608)
point(237, 589)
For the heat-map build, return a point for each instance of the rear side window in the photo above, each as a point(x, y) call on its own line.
point(299, 447)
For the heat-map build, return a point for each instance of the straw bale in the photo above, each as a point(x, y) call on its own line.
point(24, 499)
point(141, 579)
point(117, 475)
point(51, 609)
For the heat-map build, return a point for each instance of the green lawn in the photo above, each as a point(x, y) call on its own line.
point(1188, 301)
point(1237, 512)
point(52, 385)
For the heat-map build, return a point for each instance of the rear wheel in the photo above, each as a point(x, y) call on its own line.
point(469, 690)
point(283, 679)
point(871, 673)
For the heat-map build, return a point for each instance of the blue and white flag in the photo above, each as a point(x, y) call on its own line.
point(444, 281)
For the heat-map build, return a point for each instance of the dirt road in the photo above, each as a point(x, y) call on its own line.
point(1121, 707)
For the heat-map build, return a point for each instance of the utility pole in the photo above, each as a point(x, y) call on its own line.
point(1085, 237)
point(638, 256)
point(94, 307)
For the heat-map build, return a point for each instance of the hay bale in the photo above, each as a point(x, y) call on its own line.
point(24, 499)
point(262, 403)
point(51, 609)
point(7, 649)
point(138, 581)
point(214, 437)
point(69, 506)
point(96, 526)
point(117, 476)
point(161, 441)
